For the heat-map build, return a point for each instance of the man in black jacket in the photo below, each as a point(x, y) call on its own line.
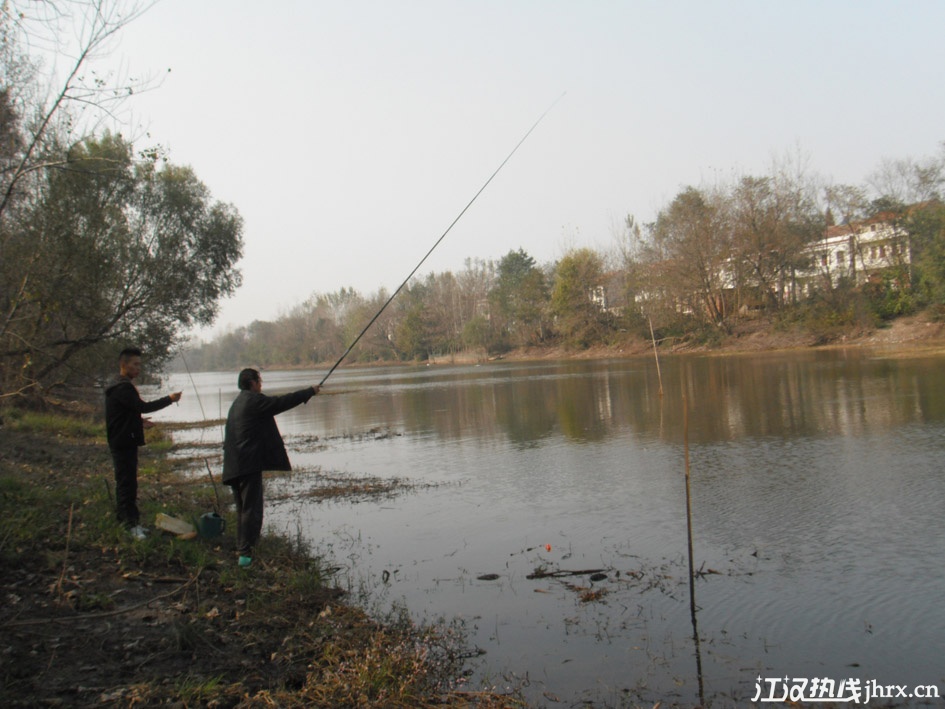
point(125, 426)
point(251, 444)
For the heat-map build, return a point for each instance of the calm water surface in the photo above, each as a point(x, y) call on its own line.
point(818, 504)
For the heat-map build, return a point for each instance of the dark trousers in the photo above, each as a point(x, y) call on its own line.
point(126, 485)
point(248, 495)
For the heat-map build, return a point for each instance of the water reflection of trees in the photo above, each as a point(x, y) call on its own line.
point(773, 395)
point(796, 394)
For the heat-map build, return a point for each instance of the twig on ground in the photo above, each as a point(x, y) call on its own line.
point(65, 558)
point(104, 614)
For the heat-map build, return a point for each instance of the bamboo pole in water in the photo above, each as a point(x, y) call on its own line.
point(692, 571)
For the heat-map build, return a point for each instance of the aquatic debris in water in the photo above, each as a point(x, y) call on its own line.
point(541, 573)
point(585, 594)
point(335, 485)
point(188, 425)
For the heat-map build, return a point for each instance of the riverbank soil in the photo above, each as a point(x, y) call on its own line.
point(900, 337)
point(920, 330)
point(91, 617)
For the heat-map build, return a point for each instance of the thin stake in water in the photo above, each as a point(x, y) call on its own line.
point(692, 572)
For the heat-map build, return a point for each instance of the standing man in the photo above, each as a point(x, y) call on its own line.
point(125, 425)
point(252, 443)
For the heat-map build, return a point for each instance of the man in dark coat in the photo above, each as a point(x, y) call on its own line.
point(125, 427)
point(251, 444)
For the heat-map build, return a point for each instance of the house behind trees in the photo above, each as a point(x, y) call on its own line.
point(857, 253)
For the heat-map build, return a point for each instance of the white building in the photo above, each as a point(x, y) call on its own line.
point(857, 252)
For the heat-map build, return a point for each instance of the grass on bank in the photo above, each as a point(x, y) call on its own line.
point(210, 633)
point(27, 421)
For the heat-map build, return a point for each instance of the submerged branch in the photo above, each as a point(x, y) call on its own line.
point(559, 573)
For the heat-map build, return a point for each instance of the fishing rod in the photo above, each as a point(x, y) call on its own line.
point(437, 243)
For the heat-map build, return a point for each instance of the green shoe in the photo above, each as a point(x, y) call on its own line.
point(245, 561)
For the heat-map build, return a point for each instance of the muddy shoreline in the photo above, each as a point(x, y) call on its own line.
point(93, 618)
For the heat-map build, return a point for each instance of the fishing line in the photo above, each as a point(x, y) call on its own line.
point(206, 461)
point(442, 236)
point(180, 351)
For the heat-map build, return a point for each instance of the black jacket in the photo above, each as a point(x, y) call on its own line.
point(252, 442)
point(123, 409)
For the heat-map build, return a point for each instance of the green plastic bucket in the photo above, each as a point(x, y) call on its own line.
point(210, 525)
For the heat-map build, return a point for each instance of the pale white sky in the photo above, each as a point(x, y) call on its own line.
point(349, 134)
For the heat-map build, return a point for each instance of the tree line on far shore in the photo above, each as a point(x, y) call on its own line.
point(104, 244)
point(713, 257)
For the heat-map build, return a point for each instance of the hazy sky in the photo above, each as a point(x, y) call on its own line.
point(349, 134)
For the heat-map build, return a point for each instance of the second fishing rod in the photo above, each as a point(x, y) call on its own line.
point(437, 242)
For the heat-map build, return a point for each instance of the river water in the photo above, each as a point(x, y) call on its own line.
point(817, 496)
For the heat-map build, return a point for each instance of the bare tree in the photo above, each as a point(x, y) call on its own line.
point(690, 248)
point(75, 98)
point(907, 181)
point(774, 218)
point(845, 204)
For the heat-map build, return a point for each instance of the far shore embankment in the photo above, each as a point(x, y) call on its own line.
point(910, 335)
